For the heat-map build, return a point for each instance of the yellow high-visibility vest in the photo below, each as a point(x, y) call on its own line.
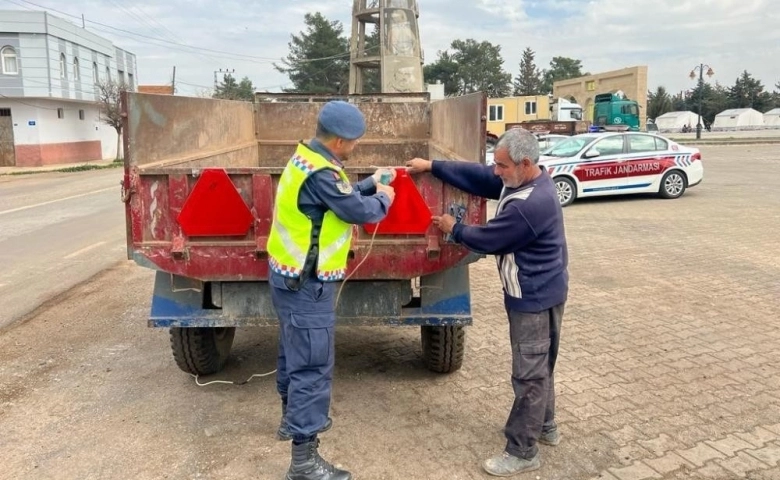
point(290, 237)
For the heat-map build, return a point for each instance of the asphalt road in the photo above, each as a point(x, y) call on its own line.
point(56, 230)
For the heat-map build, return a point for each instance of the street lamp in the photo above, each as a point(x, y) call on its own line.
point(710, 73)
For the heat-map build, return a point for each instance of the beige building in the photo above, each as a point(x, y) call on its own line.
point(502, 111)
point(632, 81)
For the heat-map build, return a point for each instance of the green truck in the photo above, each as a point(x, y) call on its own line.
point(614, 111)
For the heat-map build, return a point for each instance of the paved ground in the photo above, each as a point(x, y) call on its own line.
point(58, 229)
point(669, 367)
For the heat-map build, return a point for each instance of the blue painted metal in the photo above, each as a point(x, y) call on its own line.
point(444, 300)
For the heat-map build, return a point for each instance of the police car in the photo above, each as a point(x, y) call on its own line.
point(597, 164)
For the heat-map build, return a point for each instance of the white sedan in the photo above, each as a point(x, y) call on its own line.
point(598, 164)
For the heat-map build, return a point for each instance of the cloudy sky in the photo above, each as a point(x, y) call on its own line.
point(669, 36)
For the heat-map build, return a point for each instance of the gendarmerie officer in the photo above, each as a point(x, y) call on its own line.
point(315, 209)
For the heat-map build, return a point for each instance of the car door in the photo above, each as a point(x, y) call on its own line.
point(647, 160)
point(600, 171)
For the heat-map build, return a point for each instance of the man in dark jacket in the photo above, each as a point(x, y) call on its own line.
point(528, 239)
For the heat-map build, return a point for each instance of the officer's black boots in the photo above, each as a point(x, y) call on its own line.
point(308, 465)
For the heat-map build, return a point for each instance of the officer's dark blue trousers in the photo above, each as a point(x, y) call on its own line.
point(307, 321)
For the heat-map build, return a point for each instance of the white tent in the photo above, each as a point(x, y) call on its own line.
point(674, 121)
point(738, 119)
point(772, 118)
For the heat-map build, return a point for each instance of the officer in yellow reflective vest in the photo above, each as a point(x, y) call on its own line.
point(315, 209)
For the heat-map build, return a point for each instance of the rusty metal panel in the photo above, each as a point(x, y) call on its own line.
point(397, 132)
point(458, 127)
point(367, 153)
point(290, 119)
point(168, 129)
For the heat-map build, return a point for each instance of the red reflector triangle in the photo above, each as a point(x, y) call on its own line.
point(215, 208)
point(409, 214)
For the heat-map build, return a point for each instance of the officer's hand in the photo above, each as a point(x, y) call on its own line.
point(377, 176)
point(387, 190)
point(419, 165)
point(445, 223)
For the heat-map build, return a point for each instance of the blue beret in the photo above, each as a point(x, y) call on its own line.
point(342, 119)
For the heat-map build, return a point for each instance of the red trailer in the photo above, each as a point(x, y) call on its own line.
point(199, 185)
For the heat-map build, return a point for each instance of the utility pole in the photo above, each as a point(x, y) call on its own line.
point(83, 22)
point(174, 81)
point(227, 71)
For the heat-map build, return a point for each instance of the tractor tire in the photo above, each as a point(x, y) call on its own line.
point(201, 351)
point(443, 348)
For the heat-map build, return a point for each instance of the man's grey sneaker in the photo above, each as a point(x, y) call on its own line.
point(284, 434)
point(506, 465)
point(551, 438)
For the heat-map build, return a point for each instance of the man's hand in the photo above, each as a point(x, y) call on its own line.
point(377, 176)
point(387, 190)
point(445, 223)
point(419, 165)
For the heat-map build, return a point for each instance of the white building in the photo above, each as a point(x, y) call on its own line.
point(738, 119)
point(49, 69)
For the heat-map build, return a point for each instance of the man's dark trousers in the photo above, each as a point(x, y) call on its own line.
point(304, 374)
point(535, 338)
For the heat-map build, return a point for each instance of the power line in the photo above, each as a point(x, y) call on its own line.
point(261, 59)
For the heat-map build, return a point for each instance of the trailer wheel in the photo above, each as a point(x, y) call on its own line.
point(443, 347)
point(201, 351)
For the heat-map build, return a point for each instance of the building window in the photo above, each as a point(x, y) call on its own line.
point(496, 113)
point(530, 108)
point(5, 112)
point(76, 75)
point(9, 60)
point(121, 76)
point(81, 114)
point(108, 74)
point(130, 81)
point(96, 78)
point(590, 85)
point(63, 66)
point(60, 113)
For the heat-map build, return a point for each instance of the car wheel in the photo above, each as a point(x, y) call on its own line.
point(673, 184)
point(567, 192)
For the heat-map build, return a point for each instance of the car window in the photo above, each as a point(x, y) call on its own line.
point(610, 146)
point(661, 144)
point(641, 143)
point(568, 147)
point(555, 140)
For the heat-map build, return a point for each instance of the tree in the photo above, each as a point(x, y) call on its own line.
point(109, 98)
point(318, 61)
point(658, 102)
point(529, 80)
point(444, 70)
point(561, 68)
point(471, 67)
point(229, 89)
point(714, 99)
point(747, 93)
point(776, 96)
